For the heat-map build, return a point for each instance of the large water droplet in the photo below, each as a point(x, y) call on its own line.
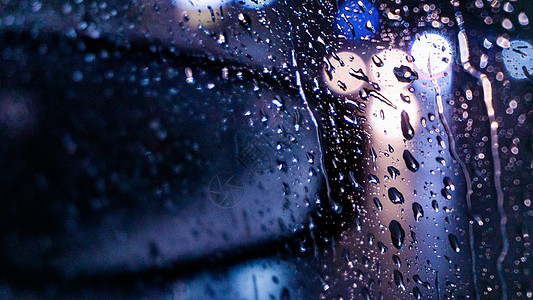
point(418, 211)
point(405, 74)
point(407, 130)
point(446, 193)
point(377, 61)
point(416, 293)
point(398, 279)
point(435, 205)
point(397, 234)
point(454, 242)
point(395, 196)
point(393, 172)
point(448, 183)
point(410, 162)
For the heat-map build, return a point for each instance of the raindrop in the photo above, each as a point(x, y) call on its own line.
point(378, 204)
point(245, 22)
point(393, 172)
point(446, 193)
point(358, 224)
point(417, 279)
point(356, 184)
point(405, 98)
point(410, 162)
point(374, 156)
point(405, 74)
point(441, 142)
point(418, 211)
point(398, 279)
point(373, 179)
point(366, 294)
point(416, 293)
point(407, 129)
point(395, 196)
point(396, 260)
point(359, 74)
point(370, 27)
point(454, 242)
point(377, 61)
point(435, 205)
point(337, 208)
point(382, 247)
point(397, 234)
point(423, 122)
point(448, 183)
point(441, 160)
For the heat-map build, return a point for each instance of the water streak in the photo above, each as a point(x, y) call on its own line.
point(308, 108)
point(464, 170)
point(487, 98)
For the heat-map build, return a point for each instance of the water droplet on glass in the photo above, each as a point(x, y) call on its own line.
point(356, 184)
point(416, 293)
point(393, 172)
point(410, 162)
point(418, 211)
point(448, 183)
point(398, 279)
point(377, 61)
point(370, 27)
point(382, 247)
point(407, 129)
point(405, 74)
point(397, 234)
point(441, 160)
point(454, 242)
point(378, 204)
point(373, 179)
point(285, 295)
point(435, 205)
point(337, 208)
point(396, 260)
point(405, 98)
point(446, 193)
point(395, 196)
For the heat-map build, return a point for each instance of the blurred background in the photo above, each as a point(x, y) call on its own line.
point(266, 149)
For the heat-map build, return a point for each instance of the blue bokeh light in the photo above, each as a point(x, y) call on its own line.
point(357, 19)
point(518, 59)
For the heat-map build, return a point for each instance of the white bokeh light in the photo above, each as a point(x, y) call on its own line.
point(382, 66)
point(432, 53)
point(339, 73)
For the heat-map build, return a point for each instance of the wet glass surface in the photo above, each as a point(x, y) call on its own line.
point(266, 149)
